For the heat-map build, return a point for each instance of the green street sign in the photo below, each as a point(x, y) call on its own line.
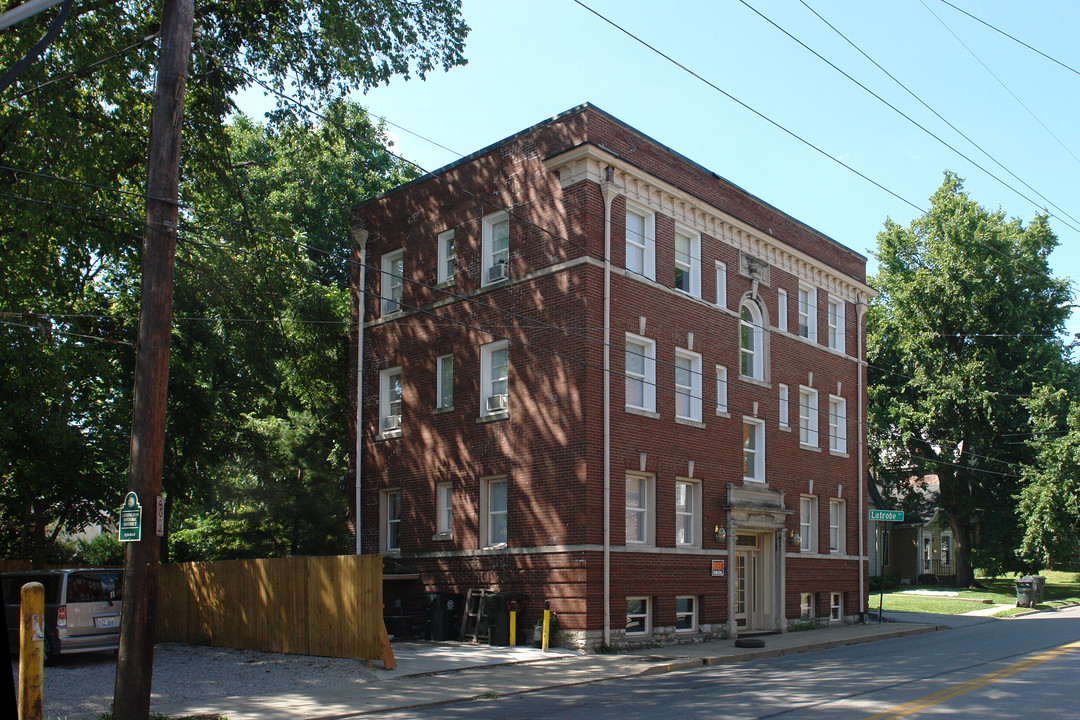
point(131, 519)
point(887, 515)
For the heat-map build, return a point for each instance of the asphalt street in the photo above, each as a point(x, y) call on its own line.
point(986, 668)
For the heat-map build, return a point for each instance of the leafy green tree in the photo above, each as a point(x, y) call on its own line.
point(73, 145)
point(1050, 498)
point(968, 321)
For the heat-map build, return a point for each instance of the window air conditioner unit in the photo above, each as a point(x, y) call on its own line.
point(391, 422)
point(498, 271)
point(496, 403)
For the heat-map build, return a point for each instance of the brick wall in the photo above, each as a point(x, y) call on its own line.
point(549, 447)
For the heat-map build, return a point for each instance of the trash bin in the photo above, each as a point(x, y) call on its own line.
point(442, 615)
point(1025, 592)
point(1040, 583)
point(498, 612)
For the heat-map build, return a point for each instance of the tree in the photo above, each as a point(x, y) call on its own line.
point(968, 321)
point(1050, 499)
point(258, 416)
point(73, 142)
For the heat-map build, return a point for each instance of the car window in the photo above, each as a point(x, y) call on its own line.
point(112, 584)
point(12, 587)
point(85, 588)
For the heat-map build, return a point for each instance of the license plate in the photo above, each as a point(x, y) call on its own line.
point(107, 621)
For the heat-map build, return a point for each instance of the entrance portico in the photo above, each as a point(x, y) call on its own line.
point(756, 535)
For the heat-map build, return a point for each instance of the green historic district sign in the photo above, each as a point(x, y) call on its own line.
point(131, 519)
point(887, 515)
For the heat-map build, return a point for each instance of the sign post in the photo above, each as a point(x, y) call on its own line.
point(883, 516)
point(131, 519)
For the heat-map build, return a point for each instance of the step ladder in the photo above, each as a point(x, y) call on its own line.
point(474, 621)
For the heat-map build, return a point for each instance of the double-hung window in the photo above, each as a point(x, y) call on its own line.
point(784, 409)
point(837, 424)
point(447, 258)
point(836, 526)
point(781, 310)
point(444, 509)
point(687, 502)
point(641, 243)
point(721, 389)
point(495, 523)
point(390, 402)
point(685, 613)
point(638, 616)
point(444, 381)
point(688, 262)
point(753, 450)
point(751, 342)
point(808, 417)
point(808, 524)
point(640, 373)
point(836, 324)
point(494, 378)
point(393, 281)
point(639, 503)
point(721, 284)
point(808, 312)
point(496, 248)
point(687, 385)
point(392, 518)
point(836, 607)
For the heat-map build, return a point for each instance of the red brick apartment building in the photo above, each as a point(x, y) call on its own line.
point(597, 373)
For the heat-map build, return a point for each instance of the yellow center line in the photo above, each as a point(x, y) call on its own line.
point(966, 687)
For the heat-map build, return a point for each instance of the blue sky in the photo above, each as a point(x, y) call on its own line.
point(530, 60)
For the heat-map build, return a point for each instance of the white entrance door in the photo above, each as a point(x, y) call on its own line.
point(747, 581)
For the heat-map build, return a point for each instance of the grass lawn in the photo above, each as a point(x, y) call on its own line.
point(894, 601)
point(1062, 588)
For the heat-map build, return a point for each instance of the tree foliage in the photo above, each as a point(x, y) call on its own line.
point(257, 371)
point(1050, 499)
point(968, 321)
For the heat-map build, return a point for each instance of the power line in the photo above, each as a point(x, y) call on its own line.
point(83, 69)
point(553, 327)
point(761, 115)
point(932, 110)
point(1000, 81)
point(857, 423)
point(68, 333)
point(1014, 39)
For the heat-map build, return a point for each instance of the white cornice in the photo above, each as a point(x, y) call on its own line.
point(587, 162)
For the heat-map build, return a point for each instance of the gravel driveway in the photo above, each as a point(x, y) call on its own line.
point(81, 686)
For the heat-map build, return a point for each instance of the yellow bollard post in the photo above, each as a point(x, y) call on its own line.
point(31, 651)
point(512, 607)
point(547, 625)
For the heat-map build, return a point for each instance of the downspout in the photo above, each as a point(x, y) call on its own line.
point(608, 190)
point(861, 440)
point(360, 235)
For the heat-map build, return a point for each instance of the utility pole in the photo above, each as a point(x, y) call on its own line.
point(134, 669)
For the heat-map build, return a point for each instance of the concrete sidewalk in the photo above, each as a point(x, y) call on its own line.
point(437, 673)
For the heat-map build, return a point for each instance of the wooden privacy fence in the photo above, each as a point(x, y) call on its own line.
point(328, 606)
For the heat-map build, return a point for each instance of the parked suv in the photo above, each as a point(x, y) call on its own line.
point(82, 609)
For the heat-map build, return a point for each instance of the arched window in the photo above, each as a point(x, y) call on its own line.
point(751, 341)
